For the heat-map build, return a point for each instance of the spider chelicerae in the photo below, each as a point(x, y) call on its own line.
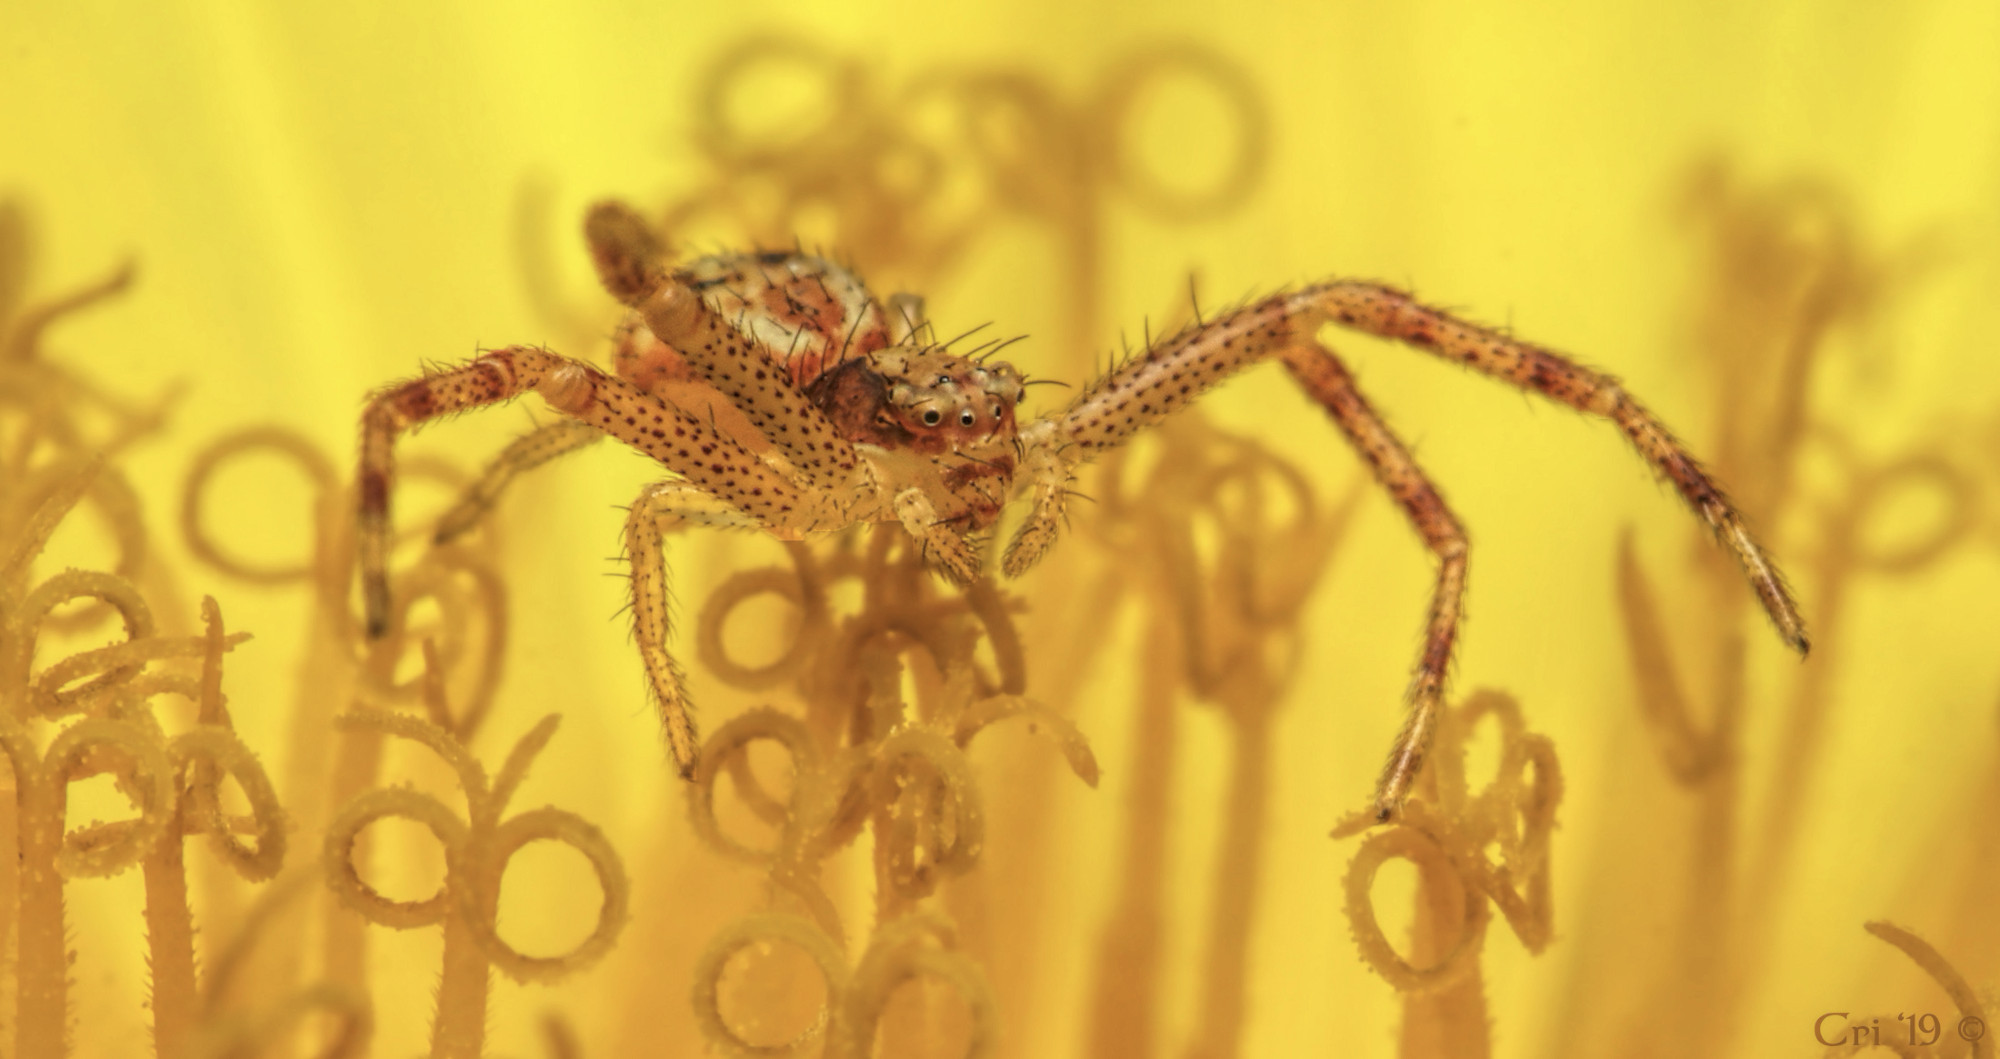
point(784, 397)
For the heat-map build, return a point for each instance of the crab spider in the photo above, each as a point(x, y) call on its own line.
point(784, 397)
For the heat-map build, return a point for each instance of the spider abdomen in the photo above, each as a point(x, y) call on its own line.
point(808, 314)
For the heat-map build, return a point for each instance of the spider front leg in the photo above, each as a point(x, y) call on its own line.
point(1170, 375)
point(1391, 313)
point(710, 462)
point(657, 509)
point(1111, 412)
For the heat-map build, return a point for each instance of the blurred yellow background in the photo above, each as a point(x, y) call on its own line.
point(323, 199)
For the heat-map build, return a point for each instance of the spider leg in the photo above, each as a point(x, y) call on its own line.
point(1045, 472)
point(945, 549)
point(661, 507)
point(524, 453)
point(1391, 313)
point(1173, 373)
point(1164, 379)
point(629, 261)
point(1327, 380)
point(710, 461)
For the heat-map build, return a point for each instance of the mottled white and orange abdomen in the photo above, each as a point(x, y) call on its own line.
point(803, 314)
point(808, 314)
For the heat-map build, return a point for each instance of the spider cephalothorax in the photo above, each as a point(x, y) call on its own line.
point(785, 398)
point(955, 413)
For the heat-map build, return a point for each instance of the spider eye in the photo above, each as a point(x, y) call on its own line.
point(933, 418)
point(944, 380)
point(966, 418)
